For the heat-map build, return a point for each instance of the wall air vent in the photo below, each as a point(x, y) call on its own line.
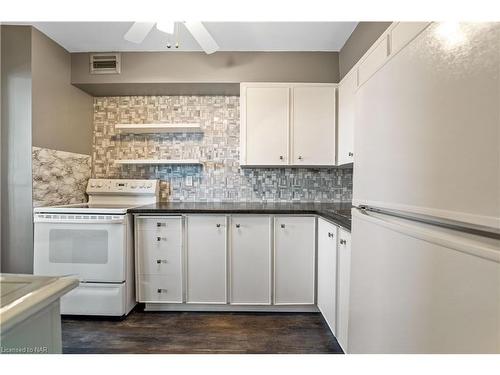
point(105, 63)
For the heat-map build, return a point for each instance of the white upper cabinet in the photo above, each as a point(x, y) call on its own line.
point(265, 117)
point(287, 124)
point(394, 39)
point(313, 125)
point(403, 32)
point(375, 58)
point(250, 260)
point(345, 133)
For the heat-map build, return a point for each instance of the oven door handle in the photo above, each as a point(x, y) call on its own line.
point(38, 219)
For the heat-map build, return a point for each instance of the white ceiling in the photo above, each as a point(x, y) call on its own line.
point(231, 36)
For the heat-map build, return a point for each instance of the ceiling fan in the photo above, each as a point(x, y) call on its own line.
point(139, 30)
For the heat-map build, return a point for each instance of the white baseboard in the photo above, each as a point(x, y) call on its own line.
point(228, 308)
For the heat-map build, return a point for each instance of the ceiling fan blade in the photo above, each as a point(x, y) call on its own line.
point(202, 36)
point(138, 32)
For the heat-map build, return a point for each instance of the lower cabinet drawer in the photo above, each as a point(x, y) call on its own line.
point(96, 299)
point(158, 255)
point(167, 225)
point(156, 288)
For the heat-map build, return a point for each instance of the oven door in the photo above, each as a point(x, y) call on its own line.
point(91, 247)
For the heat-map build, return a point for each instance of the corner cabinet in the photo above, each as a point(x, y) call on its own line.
point(287, 124)
point(345, 126)
point(327, 272)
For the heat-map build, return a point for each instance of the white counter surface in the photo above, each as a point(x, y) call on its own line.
point(24, 295)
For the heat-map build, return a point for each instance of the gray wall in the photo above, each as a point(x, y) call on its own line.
point(41, 108)
point(196, 69)
point(361, 39)
point(62, 113)
point(17, 226)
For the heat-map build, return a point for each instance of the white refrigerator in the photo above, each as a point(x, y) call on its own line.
point(425, 262)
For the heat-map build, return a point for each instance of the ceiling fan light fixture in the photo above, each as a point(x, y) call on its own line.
point(166, 26)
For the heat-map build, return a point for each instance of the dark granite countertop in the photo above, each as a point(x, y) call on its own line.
point(339, 213)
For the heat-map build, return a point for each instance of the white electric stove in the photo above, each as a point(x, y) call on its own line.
point(93, 241)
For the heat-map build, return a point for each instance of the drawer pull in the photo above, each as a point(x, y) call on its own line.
point(159, 261)
point(343, 242)
point(161, 290)
point(161, 239)
point(161, 224)
point(283, 226)
point(330, 234)
point(238, 225)
point(217, 225)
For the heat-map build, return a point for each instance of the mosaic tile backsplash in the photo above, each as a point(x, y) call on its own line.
point(220, 178)
point(59, 177)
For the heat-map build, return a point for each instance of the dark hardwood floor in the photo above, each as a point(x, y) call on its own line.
point(197, 332)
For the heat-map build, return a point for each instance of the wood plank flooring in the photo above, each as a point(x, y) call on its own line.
point(196, 333)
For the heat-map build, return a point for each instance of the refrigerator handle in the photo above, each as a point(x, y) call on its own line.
point(483, 249)
point(437, 221)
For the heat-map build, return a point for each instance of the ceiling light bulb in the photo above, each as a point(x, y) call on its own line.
point(166, 26)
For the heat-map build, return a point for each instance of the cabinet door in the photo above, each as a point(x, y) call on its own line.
point(265, 125)
point(250, 260)
point(327, 271)
point(158, 259)
point(313, 125)
point(403, 33)
point(344, 269)
point(374, 60)
point(294, 260)
point(206, 259)
point(347, 97)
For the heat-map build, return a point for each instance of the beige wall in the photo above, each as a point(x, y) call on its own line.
point(361, 39)
point(198, 68)
point(62, 113)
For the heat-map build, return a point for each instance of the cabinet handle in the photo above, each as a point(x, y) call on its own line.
point(283, 226)
point(159, 261)
point(237, 225)
point(300, 157)
point(217, 225)
point(343, 242)
point(161, 224)
point(351, 154)
point(330, 235)
point(161, 290)
point(161, 239)
point(281, 157)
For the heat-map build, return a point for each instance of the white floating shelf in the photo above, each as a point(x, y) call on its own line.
point(158, 161)
point(158, 128)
